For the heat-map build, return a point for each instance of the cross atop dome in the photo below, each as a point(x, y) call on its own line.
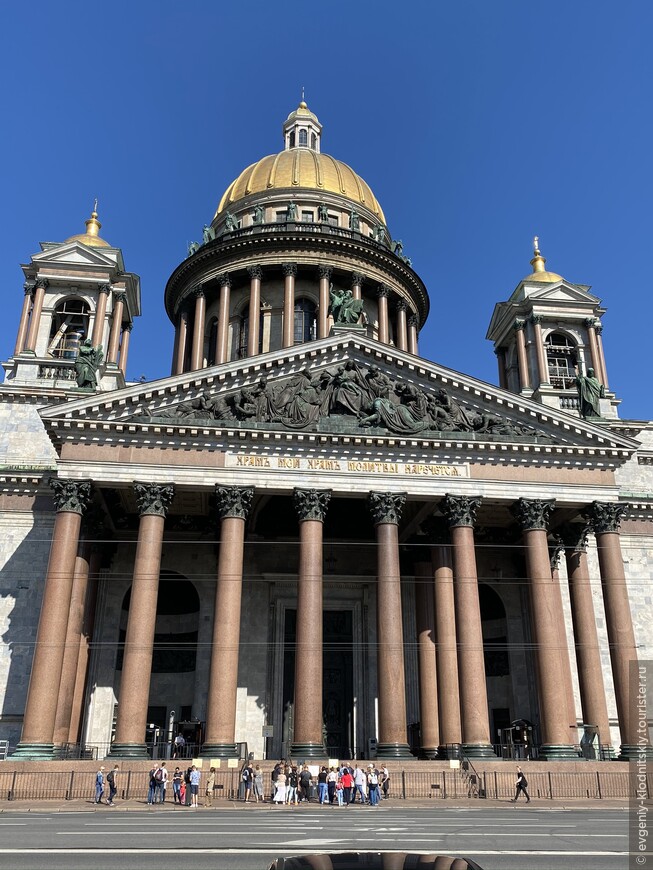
point(301, 129)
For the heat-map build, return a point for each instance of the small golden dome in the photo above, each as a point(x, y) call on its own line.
point(91, 237)
point(539, 273)
point(300, 169)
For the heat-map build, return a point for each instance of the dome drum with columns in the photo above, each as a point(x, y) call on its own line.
point(286, 229)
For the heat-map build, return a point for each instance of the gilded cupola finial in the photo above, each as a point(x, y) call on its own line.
point(93, 225)
point(538, 260)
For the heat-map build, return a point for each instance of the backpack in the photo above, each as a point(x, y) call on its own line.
point(158, 776)
point(374, 780)
point(245, 775)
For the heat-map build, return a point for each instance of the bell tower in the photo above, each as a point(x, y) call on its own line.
point(547, 334)
point(77, 294)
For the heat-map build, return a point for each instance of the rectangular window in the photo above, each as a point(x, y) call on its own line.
point(281, 216)
point(307, 217)
point(333, 219)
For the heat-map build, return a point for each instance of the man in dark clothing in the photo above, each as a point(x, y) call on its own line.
point(113, 788)
point(521, 785)
point(305, 783)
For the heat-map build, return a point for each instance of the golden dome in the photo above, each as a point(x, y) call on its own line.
point(300, 169)
point(91, 236)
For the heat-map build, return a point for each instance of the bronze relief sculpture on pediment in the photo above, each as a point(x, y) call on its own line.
point(351, 398)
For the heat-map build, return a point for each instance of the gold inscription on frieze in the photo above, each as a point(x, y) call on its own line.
point(323, 465)
point(372, 467)
point(288, 462)
point(432, 470)
point(253, 461)
point(356, 466)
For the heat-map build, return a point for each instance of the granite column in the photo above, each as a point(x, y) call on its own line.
point(386, 508)
point(233, 504)
point(71, 498)
point(153, 503)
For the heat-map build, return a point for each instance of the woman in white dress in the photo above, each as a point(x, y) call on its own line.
point(280, 789)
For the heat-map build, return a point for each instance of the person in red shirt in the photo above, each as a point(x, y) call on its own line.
point(347, 784)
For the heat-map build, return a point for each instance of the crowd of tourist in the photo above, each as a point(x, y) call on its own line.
point(292, 784)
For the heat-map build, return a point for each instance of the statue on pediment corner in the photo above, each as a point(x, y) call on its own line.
point(590, 391)
point(87, 363)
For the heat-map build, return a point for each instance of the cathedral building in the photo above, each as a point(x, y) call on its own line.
point(308, 538)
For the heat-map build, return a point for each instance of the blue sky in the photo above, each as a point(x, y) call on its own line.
point(477, 125)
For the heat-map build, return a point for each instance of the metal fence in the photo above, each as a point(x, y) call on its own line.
point(436, 785)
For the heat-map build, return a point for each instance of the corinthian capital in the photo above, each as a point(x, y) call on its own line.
point(28, 287)
point(574, 536)
point(71, 496)
point(311, 504)
point(255, 272)
point(224, 279)
point(42, 282)
point(153, 499)
point(325, 272)
point(605, 517)
point(532, 513)
point(386, 507)
point(460, 510)
point(233, 501)
point(289, 270)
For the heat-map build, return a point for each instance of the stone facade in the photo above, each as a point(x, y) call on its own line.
point(216, 599)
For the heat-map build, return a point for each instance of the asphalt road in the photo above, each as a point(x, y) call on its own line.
point(249, 838)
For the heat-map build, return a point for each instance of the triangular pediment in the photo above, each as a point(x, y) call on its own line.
point(75, 253)
point(561, 292)
point(345, 389)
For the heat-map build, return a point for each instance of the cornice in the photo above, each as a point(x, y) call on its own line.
point(256, 243)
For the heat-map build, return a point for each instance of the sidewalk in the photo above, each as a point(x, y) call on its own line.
point(139, 805)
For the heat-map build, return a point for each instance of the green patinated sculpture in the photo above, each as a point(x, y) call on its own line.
point(590, 390)
point(344, 307)
point(230, 223)
point(87, 363)
point(291, 214)
point(354, 396)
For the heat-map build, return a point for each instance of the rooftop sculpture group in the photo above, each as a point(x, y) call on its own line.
point(365, 396)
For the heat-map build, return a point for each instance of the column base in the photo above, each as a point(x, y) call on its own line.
point(429, 752)
point(478, 750)
point(219, 750)
point(128, 750)
point(34, 750)
point(632, 752)
point(558, 752)
point(308, 750)
point(393, 750)
point(450, 750)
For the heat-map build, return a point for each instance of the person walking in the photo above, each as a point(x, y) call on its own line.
point(151, 792)
point(113, 788)
point(177, 779)
point(521, 785)
point(291, 787)
point(359, 785)
point(258, 783)
point(373, 785)
point(248, 780)
point(332, 779)
point(305, 784)
point(210, 785)
point(280, 790)
point(347, 785)
point(99, 785)
point(322, 788)
point(384, 779)
point(195, 776)
point(163, 782)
